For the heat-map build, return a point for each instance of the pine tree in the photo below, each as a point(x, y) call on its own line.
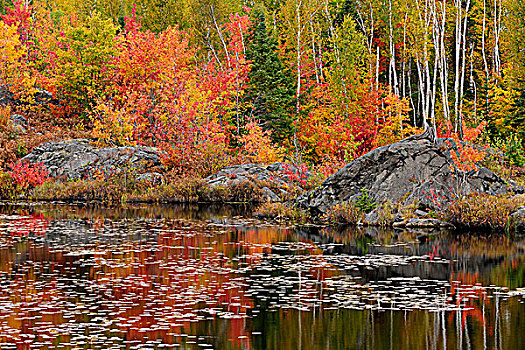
point(518, 117)
point(269, 93)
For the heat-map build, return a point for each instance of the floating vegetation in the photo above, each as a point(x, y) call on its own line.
point(120, 282)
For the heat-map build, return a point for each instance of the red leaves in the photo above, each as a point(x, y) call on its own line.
point(28, 175)
point(19, 15)
point(464, 154)
point(133, 24)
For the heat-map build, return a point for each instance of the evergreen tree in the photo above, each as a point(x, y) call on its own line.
point(269, 93)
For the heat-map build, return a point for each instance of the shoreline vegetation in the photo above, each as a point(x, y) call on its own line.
point(477, 211)
point(292, 91)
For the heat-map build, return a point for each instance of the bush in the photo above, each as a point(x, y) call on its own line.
point(513, 149)
point(27, 175)
point(7, 185)
point(83, 190)
point(385, 212)
point(185, 189)
point(364, 202)
point(343, 213)
point(483, 211)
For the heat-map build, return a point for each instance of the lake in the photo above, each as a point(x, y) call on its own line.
point(213, 277)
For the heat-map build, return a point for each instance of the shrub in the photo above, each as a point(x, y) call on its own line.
point(5, 112)
point(184, 189)
point(463, 151)
point(385, 212)
point(7, 185)
point(483, 211)
point(83, 62)
point(364, 202)
point(513, 149)
point(298, 174)
point(257, 145)
point(27, 175)
point(343, 213)
point(84, 190)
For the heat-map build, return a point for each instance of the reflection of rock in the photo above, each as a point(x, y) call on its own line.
point(276, 181)
point(76, 159)
point(409, 171)
point(445, 255)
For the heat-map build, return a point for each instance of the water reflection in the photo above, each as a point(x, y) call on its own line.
point(207, 277)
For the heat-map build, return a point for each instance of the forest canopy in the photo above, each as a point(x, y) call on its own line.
point(213, 82)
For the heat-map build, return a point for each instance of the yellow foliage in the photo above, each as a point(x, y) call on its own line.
point(502, 104)
point(11, 53)
point(82, 59)
point(5, 112)
point(395, 126)
point(114, 127)
point(258, 145)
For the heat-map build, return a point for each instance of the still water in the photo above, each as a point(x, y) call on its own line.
point(181, 277)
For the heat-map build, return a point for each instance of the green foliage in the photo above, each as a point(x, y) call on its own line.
point(518, 110)
point(349, 65)
point(7, 185)
point(364, 202)
point(515, 37)
point(513, 150)
point(21, 148)
point(84, 60)
point(269, 93)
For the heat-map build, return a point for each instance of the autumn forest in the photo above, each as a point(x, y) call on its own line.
point(213, 83)
point(264, 174)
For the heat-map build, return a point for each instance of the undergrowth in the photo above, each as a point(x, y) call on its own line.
point(484, 211)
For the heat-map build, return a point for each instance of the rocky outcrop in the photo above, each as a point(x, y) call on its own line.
point(517, 220)
point(407, 171)
point(277, 181)
point(75, 159)
point(6, 96)
point(18, 122)
point(39, 97)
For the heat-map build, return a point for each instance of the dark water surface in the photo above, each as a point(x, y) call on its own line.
point(180, 277)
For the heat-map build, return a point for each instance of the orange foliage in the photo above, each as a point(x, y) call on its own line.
point(464, 154)
point(257, 145)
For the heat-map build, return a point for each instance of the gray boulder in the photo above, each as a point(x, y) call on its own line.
point(410, 170)
point(75, 159)
point(427, 223)
point(276, 180)
point(517, 220)
point(18, 122)
point(39, 98)
point(6, 96)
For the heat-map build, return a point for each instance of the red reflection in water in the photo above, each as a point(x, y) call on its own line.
point(36, 224)
point(468, 294)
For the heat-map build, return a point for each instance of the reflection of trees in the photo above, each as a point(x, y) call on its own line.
point(157, 278)
point(496, 259)
point(367, 329)
point(207, 211)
